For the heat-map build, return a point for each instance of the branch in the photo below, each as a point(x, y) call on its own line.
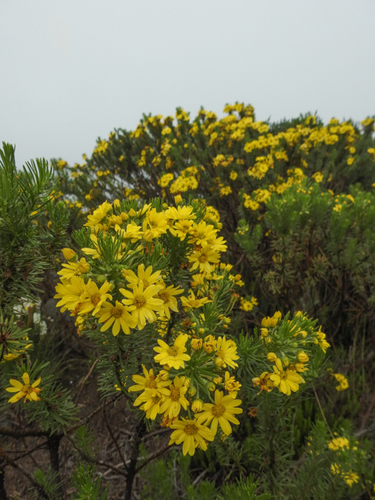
point(27, 474)
point(153, 456)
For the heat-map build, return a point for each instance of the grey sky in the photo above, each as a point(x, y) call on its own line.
point(73, 70)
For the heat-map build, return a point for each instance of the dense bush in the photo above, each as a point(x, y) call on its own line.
point(203, 260)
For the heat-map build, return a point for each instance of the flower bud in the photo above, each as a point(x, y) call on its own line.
point(178, 199)
point(285, 361)
point(211, 386)
point(197, 405)
point(69, 254)
point(192, 390)
point(196, 344)
point(271, 356)
point(303, 357)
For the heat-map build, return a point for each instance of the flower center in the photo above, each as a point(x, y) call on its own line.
point(116, 312)
point(95, 299)
point(145, 284)
point(191, 429)
point(164, 297)
point(26, 389)
point(139, 302)
point(172, 351)
point(151, 383)
point(218, 410)
point(202, 258)
point(175, 394)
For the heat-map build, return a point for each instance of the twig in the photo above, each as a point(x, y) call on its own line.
point(321, 410)
point(113, 438)
point(94, 461)
point(85, 380)
point(27, 474)
point(89, 417)
point(152, 457)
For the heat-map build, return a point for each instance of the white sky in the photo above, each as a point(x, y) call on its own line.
point(73, 70)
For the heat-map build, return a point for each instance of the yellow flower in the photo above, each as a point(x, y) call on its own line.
point(226, 352)
point(155, 223)
point(338, 443)
point(196, 344)
point(118, 316)
point(26, 390)
point(202, 258)
point(70, 293)
point(286, 380)
point(144, 276)
point(68, 253)
point(209, 344)
point(142, 303)
point(98, 215)
point(148, 381)
point(74, 269)
point(271, 356)
point(264, 382)
point(173, 356)
point(271, 321)
point(343, 381)
point(175, 399)
point(192, 434)
point(192, 302)
point(197, 405)
point(231, 385)
point(166, 294)
point(321, 340)
point(93, 297)
point(302, 357)
point(152, 400)
point(222, 412)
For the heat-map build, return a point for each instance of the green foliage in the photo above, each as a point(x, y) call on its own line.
point(88, 486)
point(243, 490)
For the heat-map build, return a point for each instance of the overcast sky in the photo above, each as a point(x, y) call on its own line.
point(73, 70)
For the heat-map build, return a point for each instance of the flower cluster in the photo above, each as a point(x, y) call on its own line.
point(287, 344)
point(154, 273)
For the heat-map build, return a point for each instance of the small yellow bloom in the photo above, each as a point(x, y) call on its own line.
point(25, 390)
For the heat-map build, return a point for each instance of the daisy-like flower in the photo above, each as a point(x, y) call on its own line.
point(226, 353)
point(70, 293)
point(144, 276)
point(175, 399)
point(74, 269)
point(181, 228)
point(202, 258)
point(98, 215)
point(132, 232)
point(201, 233)
point(192, 434)
point(118, 316)
point(173, 356)
point(192, 302)
point(180, 213)
point(93, 297)
point(222, 412)
point(152, 400)
point(285, 380)
point(25, 390)
point(155, 223)
point(148, 381)
point(142, 303)
point(166, 294)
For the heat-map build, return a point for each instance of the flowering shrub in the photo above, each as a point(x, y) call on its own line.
point(208, 258)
